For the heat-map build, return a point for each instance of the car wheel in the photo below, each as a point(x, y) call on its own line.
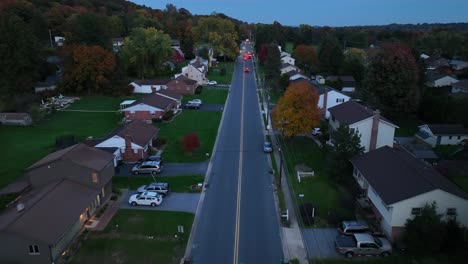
point(385, 254)
point(135, 173)
point(349, 254)
point(134, 203)
point(153, 173)
point(153, 204)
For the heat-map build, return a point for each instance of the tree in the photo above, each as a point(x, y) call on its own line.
point(306, 58)
point(425, 232)
point(392, 82)
point(272, 66)
point(330, 55)
point(145, 50)
point(190, 142)
point(353, 64)
point(89, 69)
point(219, 33)
point(262, 55)
point(89, 29)
point(297, 111)
point(347, 144)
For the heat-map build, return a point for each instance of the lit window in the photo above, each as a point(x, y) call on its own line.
point(34, 250)
point(95, 177)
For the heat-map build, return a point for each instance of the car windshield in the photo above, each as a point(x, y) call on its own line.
point(378, 241)
point(267, 144)
point(138, 195)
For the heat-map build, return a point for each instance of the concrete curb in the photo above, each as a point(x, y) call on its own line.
point(188, 249)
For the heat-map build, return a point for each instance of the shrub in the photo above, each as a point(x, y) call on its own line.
point(338, 215)
point(113, 197)
point(222, 72)
point(158, 142)
point(168, 116)
point(199, 89)
point(157, 120)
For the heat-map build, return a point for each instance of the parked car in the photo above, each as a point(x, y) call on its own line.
point(316, 131)
point(157, 157)
point(362, 244)
point(152, 167)
point(195, 101)
point(212, 83)
point(146, 198)
point(267, 148)
point(247, 70)
point(157, 187)
point(353, 227)
point(191, 105)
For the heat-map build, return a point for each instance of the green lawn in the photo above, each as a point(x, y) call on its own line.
point(204, 123)
point(214, 73)
point(408, 126)
point(281, 201)
point(177, 183)
point(131, 241)
point(27, 145)
point(445, 151)
point(209, 96)
point(319, 189)
point(462, 182)
point(100, 103)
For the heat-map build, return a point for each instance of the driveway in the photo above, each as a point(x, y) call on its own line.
point(170, 169)
point(320, 242)
point(180, 202)
point(208, 107)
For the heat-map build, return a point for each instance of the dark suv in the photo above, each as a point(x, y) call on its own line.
point(353, 227)
point(152, 167)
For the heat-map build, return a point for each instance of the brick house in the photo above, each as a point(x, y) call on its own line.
point(64, 190)
point(150, 107)
point(182, 85)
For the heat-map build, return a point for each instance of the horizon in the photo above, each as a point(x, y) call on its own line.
point(344, 14)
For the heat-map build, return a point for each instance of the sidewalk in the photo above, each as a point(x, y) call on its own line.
point(110, 212)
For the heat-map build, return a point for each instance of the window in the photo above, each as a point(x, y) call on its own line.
point(340, 100)
point(451, 211)
point(95, 177)
point(416, 211)
point(450, 137)
point(459, 137)
point(34, 250)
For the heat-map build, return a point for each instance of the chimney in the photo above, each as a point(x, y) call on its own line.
point(128, 143)
point(325, 99)
point(375, 130)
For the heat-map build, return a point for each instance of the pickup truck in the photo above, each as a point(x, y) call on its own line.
point(362, 244)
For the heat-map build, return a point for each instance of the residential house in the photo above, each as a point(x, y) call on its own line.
point(286, 67)
point(17, 119)
point(442, 134)
point(148, 86)
point(151, 107)
point(435, 62)
point(458, 64)
point(375, 130)
point(182, 85)
point(178, 55)
point(117, 44)
point(347, 83)
point(435, 79)
point(67, 188)
point(59, 41)
point(328, 98)
point(128, 143)
point(286, 58)
point(196, 70)
point(398, 186)
point(460, 86)
point(296, 76)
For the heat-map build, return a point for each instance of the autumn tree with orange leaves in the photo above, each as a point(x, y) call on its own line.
point(306, 58)
point(89, 69)
point(297, 111)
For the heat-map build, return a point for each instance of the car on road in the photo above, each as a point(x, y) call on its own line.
point(152, 167)
point(247, 70)
point(147, 198)
point(267, 148)
point(362, 244)
point(353, 227)
point(157, 187)
point(191, 105)
point(212, 83)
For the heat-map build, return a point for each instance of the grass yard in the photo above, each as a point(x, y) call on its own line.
point(408, 126)
point(130, 242)
point(279, 191)
point(275, 96)
point(204, 123)
point(100, 103)
point(177, 183)
point(209, 96)
point(214, 74)
point(26, 145)
point(462, 182)
point(318, 189)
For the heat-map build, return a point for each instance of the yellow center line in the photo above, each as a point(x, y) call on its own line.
point(239, 181)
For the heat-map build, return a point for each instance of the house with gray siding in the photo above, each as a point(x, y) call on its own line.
point(66, 188)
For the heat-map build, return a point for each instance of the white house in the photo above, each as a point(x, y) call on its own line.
point(286, 67)
point(286, 58)
point(196, 70)
point(375, 130)
point(437, 134)
point(458, 64)
point(328, 98)
point(460, 86)
point(439, 80)
point(148, 86)
point(398, 186)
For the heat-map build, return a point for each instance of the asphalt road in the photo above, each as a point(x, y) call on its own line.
point(239, 227)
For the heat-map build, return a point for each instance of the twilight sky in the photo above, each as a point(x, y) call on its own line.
point(327, 12)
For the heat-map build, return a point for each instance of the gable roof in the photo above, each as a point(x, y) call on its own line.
point(445, 129)
point(170, 94)
point(140, 132)
point(199, 65)
point(152, 82)
point(291, 73)
point(396, 175)
point(434, 76)
point(321, 89)
point(185, 79)
point(61, 201)
point(80, 154)
point(154, 100)
point(461, 84)
point(351, 112)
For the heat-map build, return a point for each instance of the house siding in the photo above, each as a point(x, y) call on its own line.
point(134, 155)
point(15, 249)
point(452, 140)
point(288, 59)
point(384, 211)
point(180, 87)
point(193, 73)
point(331, 100)
point(385, 133)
